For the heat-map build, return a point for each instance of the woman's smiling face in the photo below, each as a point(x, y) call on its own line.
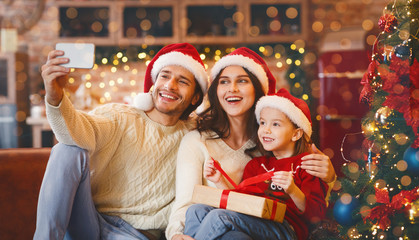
point(235, 91)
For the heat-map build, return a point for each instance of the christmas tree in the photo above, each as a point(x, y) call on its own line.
point(378, 197)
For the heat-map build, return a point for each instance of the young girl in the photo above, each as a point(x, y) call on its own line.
point(284, 132)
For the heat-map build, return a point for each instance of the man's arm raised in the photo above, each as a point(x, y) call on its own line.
point(55, 77)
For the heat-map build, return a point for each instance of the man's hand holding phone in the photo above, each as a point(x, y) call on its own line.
point(55, 70)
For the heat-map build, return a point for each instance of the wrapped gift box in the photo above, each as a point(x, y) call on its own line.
point(240, 202)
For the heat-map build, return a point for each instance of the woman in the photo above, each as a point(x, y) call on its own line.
point(227, 132)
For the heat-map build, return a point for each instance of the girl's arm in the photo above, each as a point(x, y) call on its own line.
point(286, 181)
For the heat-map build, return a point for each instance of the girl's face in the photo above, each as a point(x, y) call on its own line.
point(277, 133)
point(235, 91)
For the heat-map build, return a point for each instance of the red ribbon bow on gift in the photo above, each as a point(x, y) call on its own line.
point(398, 203)
point(244, 187)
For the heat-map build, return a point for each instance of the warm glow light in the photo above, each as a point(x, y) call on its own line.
point(145, 25)
point(71, 13)
point(254, 31)
point(317, 26)
point(272, 11)
point(165, 15)
point(142, 55)
point(291, 13)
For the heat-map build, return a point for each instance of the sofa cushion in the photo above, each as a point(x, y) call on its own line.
point(21, 173)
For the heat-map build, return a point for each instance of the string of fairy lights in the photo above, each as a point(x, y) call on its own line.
point(113, 65)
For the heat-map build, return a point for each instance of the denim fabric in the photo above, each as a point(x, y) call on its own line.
point(204, 223)
point(115, 228)
point(235, 235)
point(65, 206)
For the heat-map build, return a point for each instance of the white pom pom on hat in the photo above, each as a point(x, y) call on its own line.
point(143, 101)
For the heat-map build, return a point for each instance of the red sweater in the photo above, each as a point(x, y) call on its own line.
point(313, 188)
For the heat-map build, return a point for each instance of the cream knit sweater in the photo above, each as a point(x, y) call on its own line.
point(194, 150)
point(132, 159)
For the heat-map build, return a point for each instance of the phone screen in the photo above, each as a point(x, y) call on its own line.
point(81, 55)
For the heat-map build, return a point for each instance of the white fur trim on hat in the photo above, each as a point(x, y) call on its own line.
point(183, 60)
point(245, 62)
point(144, 101)
point(288, 108)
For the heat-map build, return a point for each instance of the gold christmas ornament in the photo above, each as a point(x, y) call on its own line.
point(368, 129)
point(382, 114)
point(414, 212)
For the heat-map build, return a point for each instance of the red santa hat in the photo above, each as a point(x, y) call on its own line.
point(180, 54)
point(296, 109)
point(250, 60)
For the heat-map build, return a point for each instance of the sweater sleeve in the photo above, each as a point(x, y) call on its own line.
point(315, 191)
point(190, 160)
point(73, 127)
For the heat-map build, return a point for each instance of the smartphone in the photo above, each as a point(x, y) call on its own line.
point(80, 55)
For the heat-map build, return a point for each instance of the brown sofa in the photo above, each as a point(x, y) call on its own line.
point(21, 173)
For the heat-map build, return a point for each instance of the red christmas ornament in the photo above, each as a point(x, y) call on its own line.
point(387, 23)
point(367, 79)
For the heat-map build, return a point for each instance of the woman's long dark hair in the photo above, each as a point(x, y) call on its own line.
point(215, 118)
point(192, 107)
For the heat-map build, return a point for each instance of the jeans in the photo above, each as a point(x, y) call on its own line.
point(204, 222)
point(65, 206)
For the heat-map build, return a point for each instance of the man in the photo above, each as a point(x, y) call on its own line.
point(122, 185)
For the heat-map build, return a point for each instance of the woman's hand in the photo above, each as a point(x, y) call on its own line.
point(55, 77)
point(319, 165)
point(210, 172)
